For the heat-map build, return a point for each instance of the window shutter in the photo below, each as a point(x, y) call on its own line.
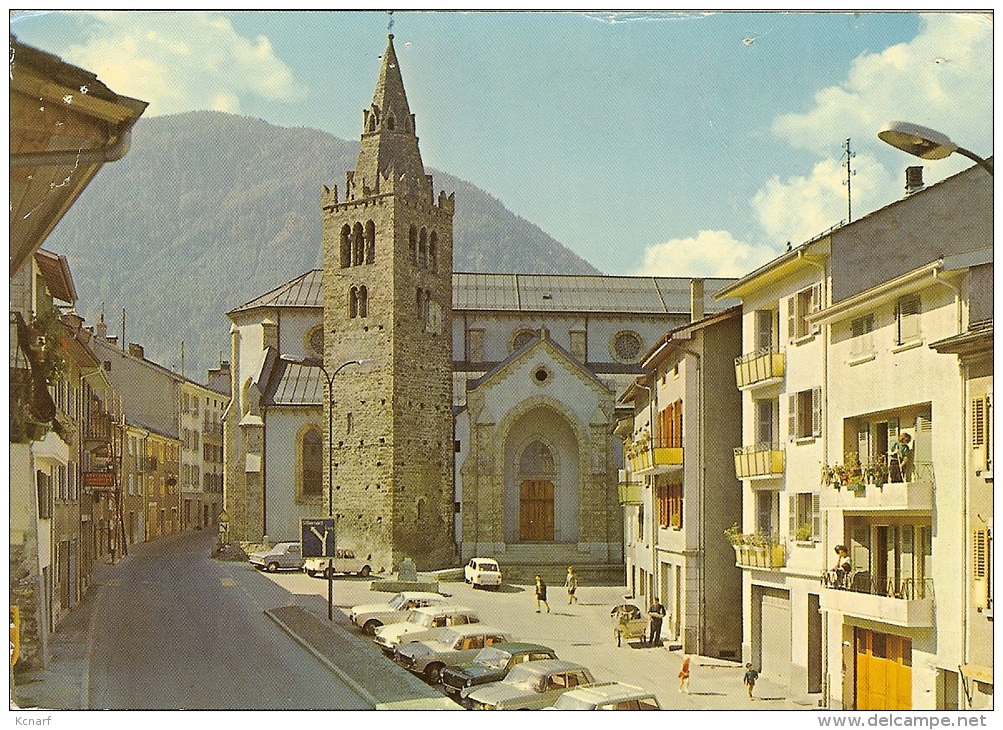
point(678, 443)
point(792, 329)
point(907, 312)
point(980, 568)
point(792, 416)
point(816, 411)
point(863, 442)
point(792, 517)
point(816, 515)
point(816, 305)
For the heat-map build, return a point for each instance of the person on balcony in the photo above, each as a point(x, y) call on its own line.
point(901, 458)
point(839, 576)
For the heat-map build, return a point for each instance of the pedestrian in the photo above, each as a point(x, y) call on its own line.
point(684, 676)
point(751, 675)
point(901, 453)
point(571, 583)
point(656, 612)
point(541, 594)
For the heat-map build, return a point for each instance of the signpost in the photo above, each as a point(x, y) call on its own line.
point(317, 540)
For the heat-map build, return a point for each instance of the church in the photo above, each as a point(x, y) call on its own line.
point(437, 414)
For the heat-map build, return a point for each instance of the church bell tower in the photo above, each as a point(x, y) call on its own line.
point(387, 292)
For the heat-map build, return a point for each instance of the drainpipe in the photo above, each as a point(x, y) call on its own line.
point(701, 485)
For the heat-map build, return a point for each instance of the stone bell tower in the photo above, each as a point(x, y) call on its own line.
point(388, 255)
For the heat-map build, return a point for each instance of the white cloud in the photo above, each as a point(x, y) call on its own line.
point(183, 61)
point(709, 253)
point(942, 79)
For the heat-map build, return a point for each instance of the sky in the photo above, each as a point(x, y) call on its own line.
point(649, 143)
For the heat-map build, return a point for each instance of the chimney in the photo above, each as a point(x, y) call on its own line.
point(696, 299)
point(136, 350)
point(101, 329)
point(913, 179)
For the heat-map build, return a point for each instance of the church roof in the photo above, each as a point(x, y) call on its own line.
point(561, 293)
point(296, 385)
point(303, 291)
point(536, 293)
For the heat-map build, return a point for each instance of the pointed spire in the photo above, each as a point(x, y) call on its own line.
point(389, 160)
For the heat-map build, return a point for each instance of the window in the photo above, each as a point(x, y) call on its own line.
point(370, 242)
point(358, 245)
point(433, 245)
point(626, 346)
point(981, 436)
point(578, 349)
point(345, 248)
point(766, 417)
point(805, 516)
point(522, 338)
point(805, 415)
point(43, 488)
point(907, 319)
point(981, 569)
point(670, 426)
point(805, 302)
point(766, 329)
point(475, 345)
point(860, 331)
point(312, 462)
point(767, 512)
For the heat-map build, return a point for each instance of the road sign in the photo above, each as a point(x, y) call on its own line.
point(317, 537)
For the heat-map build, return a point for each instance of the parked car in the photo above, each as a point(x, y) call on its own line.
point(607, 696)
point(491, 664)
point(285, 555)
point(454, 645)
point(483, 572)
point(531, 686)
point(370, 616)
point(423, 624)
point(345, 561)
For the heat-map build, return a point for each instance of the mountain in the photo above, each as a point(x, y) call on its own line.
point(209, 210)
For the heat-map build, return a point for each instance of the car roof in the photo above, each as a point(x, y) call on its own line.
point(546, 666)
point(609, 691)
point(520, 647)
point(464, 629)
point(417, 594)
point(444, 608)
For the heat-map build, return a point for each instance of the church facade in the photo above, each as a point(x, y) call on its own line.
point(481, 418)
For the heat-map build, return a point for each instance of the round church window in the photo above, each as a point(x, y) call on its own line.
point(522, 338)
point(626, 346)
point(315, 341)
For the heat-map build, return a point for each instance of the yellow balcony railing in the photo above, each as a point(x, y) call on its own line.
point(759, 460)
point(760, 556)
point(759, 366)
point(647, 459)
point(629, 492)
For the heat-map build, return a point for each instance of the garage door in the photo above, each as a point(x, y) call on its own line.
point(775, 635)
point(883, 671)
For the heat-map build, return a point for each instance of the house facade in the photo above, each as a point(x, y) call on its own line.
point(678, 487)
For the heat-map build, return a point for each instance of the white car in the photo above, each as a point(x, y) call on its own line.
point(423, 624)
point(606, 696)
point(345, 561)
point(285, 555)
point(483, 572)
point(370, 616)
point(455, 645)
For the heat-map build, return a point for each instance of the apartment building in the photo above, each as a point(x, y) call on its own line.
point(678, 486)
point(779, 544)
point(874, 334)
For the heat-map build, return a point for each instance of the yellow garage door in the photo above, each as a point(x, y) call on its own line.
point(883, 671)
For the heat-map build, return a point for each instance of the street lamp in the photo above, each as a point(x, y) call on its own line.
point(926, 143)
point(313, 362)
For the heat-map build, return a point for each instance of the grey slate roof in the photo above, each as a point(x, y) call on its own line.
point(296, 385)
point(536, 293)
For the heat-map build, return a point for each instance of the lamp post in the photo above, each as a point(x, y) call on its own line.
point(929, 144)
point(329, 377)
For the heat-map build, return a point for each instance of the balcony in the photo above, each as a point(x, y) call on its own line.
point(762, 367)
point(647, 459)
point(629, 492)
point(905, 602)
point(869, 487)
point(97, 432)
point(759, 460)
point(764, 557)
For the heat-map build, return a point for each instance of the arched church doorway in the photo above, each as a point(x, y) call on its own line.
point(536, 493)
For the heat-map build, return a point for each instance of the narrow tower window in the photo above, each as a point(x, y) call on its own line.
point(357, 244)
point(370, 242)
point(423, 248)
point(433, 244)
point(363, 301)
point(346, 246)
point(353, 303)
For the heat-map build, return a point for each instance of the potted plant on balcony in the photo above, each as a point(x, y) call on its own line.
point(759, 550)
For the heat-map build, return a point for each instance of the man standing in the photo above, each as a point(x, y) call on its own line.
point(656, 612)
point(751, 675)
point(571, 583)
point(541, 594)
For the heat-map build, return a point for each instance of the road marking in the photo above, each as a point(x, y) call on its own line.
point(228, 582)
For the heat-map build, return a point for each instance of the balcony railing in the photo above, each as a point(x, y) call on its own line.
point(757, 367)
point(879, 486)
point(759, 460)
point(766, 557)
point(629, 492)
point(904, 602)
point(648, 459)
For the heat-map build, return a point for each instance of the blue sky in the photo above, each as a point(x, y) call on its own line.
point(647, 142)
